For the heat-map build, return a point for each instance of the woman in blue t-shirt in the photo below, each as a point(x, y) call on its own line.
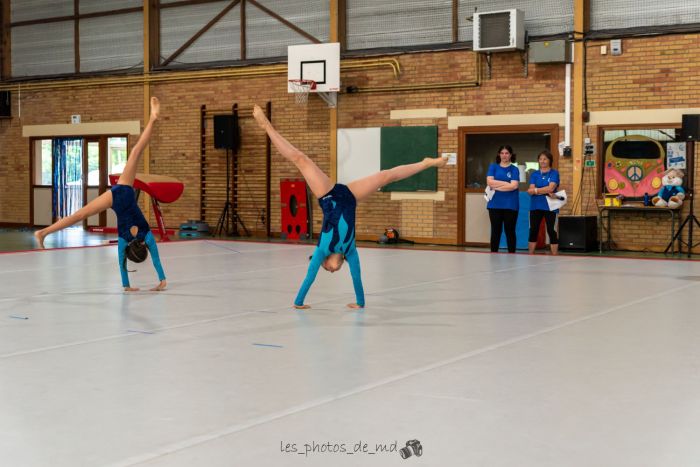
point(504, 178)
point(336, 244)
point(543, 183)
point(135, 237)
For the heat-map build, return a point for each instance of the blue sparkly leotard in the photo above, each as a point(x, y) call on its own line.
point(337, 236)
point(129, 214)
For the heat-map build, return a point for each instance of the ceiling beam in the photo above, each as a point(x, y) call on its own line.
point(76, 16)
point(291, 26)
point(5, 40)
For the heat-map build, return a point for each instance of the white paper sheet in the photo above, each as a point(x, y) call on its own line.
point(558, 202)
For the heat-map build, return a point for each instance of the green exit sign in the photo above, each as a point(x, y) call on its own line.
point(589, 164)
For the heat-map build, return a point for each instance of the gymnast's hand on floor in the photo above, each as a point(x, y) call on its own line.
point(131, 289)
point(354, 305)
point(162, 286)
point(302, 307)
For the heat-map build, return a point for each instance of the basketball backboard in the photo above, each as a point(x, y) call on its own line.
point(318, 62)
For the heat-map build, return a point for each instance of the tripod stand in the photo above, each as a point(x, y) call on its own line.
point(229, 218)
point(690, 219)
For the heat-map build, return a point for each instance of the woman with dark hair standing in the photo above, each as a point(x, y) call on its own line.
point(503, 177)
point(543, 183)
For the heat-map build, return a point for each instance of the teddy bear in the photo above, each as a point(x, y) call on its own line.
point(672, 192)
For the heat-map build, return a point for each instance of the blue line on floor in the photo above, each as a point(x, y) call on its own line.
point(221, 246)
point(268, 345)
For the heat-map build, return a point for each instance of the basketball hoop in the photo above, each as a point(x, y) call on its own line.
point(301, 89)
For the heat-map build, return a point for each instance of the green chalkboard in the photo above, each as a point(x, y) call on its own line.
point(406, 145)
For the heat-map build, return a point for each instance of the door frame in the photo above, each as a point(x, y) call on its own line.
point(32, 165)
point(104, 170)
point(102, 186)
point(464, 132)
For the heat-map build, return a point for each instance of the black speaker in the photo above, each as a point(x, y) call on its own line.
point(5, 104)
point(691, 127)
point(226, 132)
point(578, 233)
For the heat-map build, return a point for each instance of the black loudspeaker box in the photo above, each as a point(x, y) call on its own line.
point(691, 127)
point(226, 132)
point(5, 104)
point(578, 233)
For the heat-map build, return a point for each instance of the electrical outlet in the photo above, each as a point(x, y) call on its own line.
point(616, 47)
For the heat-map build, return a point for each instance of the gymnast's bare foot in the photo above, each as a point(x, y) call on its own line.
point(435, 161)
point(39, 236)
point(155, 108)
point(260, 117)
point(354, 305)
point(302, 307)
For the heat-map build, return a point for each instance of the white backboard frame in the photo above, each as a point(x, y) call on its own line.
point(318, 62)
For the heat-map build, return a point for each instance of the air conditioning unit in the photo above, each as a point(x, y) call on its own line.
point(499, 31)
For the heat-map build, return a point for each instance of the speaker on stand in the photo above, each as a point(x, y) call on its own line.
point(226, 132)
point(690, 133)
point(690, 130)
point(227, 136)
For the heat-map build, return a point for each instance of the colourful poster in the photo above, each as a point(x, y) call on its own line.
point(675, 156)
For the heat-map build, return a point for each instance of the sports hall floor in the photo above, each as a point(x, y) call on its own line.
point(485, 359)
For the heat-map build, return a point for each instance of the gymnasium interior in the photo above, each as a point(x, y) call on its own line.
point(577, 351)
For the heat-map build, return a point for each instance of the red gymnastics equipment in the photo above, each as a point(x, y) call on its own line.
point(295, 209)
point(161, 189)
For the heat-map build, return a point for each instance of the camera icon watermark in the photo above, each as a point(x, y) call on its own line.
point(413, 447)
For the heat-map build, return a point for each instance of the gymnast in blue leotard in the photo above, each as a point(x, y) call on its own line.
point(135, 237)
point(337, 240)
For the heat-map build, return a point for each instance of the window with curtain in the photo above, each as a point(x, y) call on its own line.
point(67, 192)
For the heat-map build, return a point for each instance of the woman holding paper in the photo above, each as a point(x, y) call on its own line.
point(503, 177)
point(543, 183)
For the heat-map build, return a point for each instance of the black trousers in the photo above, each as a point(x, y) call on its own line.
point(501, 218)
point(550, 218)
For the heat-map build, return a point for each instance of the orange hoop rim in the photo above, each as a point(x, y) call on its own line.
point(303, 83)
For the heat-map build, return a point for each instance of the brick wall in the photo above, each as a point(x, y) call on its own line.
point(507, 92)
point(53, 107)
point(14, 177)
point(653, 72)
